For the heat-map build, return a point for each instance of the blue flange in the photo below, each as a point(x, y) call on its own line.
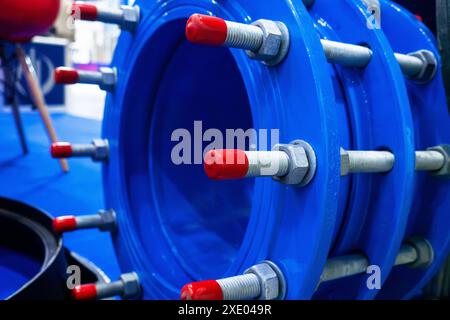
point(380, 120)
point(175, 226)
point(430, 213)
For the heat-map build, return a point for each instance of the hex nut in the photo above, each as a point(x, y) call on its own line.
point(275, 44)
point(345, 162)
point(131, 17)
point(131, 285)
point(425, 253)
point(445, 151)
point(270, 285)
point(430, 65)
point(101, 150)
point(108, 220)
point(109, 77)
point(298, 164)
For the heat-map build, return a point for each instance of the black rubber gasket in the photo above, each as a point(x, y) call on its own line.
point(28, 230)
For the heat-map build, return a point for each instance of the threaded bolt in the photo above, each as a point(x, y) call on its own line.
point(98, 150)
point(264, 40)
point(103, 220)
point(105, 78)
point(244, 287)
point(236, 164)
point(366, 161)
point(263, 281)
point(203, 29)
point(292, 164)
point(383, 161)
point(127, 287)
point(126, 17)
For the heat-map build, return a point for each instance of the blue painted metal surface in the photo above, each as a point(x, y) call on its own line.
point(175, 226)
point(380, 119)
point(430, 213)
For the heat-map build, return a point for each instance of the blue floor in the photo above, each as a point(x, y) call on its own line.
point(37, 180)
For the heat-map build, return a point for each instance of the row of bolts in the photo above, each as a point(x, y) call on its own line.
point(265, 280)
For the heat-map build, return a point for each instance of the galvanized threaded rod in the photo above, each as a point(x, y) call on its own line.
point(244, 287)
point(98, 150)
point(263, 281)
point(127, 17)
point(347, 55)
point(411, 66)
point(351, 55)
point(73, 150)
point(429, 160)
point(127, 287)
point(104, 220)
point(236, 164)
point(383, 161)
point(347, 266)
point(366, 161)
point(243, 36)
point(105, 77)
point(209, 30)
point(370, 161)
point(407, 254)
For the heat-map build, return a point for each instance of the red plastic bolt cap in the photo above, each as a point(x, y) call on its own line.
point(84, 11)
point(64, 224)
point(66, 76)
point(84, 292)
point(202, 290)
point(60, 150)
point(226, 164)
point(203, 29)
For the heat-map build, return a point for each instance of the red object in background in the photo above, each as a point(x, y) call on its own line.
point(20, 20)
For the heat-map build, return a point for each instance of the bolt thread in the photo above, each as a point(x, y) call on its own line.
point(108, 290)
point(90, 77)
point(89, 221)
point(244, 287)
point(410, 65)
point(429, 160)
point(371, 161)
point(111, 15)
point(83, 150)
point(407, 254)
point(243, 36)
point(267, 163)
